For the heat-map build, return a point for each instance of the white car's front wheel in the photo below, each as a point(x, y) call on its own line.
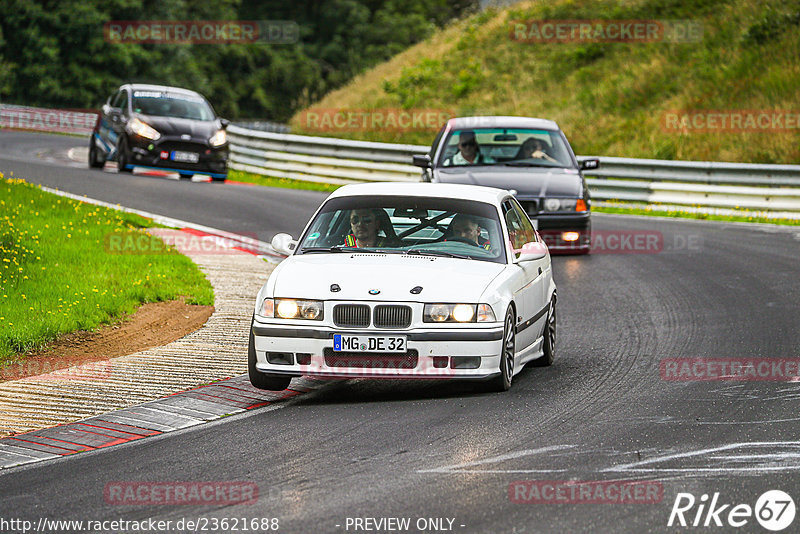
point(549, 335)
point(503, 381)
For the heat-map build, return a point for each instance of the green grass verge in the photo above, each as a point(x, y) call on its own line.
point(258, 179)
point(58, 274)
point(679, 214)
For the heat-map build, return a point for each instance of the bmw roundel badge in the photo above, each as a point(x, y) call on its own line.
point(374, 291)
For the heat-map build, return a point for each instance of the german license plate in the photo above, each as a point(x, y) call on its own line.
point(387, 344)
point(185, 157)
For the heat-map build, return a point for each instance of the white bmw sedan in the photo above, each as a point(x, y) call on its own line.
point(407, 280)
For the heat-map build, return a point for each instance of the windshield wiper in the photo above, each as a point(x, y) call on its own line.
point(322, 249)
point(428, 252)
point(344, 248)
point(372, 250)
point(530, 164)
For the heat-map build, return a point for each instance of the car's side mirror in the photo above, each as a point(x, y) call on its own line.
point(225, 123)
point(423, 160)
point(284, 244)
point(535, 250)
point(590, 164)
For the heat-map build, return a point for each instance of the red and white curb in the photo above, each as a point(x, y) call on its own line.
point(174, 412)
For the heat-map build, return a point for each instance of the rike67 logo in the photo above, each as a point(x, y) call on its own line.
point(774, 510)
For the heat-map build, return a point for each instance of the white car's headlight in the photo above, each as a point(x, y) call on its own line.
point(219, 138)
point(292, 309)
point(458, 313)
point(463, 313)
point(437, 313)
point(143, 129)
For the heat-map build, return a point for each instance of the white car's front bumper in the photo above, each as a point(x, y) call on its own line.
point(461, 351)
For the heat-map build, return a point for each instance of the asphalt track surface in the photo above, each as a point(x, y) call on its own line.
point(432, 449)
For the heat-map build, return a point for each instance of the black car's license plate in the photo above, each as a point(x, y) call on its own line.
point(185, 157)
point(350, 343)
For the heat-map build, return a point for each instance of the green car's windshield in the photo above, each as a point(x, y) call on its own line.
point(505, 146)
point(407, 225)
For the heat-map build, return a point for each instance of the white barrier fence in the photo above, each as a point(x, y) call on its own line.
point(767, 188)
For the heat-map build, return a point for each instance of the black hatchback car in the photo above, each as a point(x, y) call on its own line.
point(530, 157)
point(159, 127)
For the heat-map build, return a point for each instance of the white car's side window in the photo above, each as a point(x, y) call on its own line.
point(527, 228)
point(520, 230)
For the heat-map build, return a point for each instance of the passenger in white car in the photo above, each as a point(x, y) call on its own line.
point(467, 227)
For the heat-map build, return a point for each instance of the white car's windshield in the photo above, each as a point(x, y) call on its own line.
point(407, 225)
point(505, 146)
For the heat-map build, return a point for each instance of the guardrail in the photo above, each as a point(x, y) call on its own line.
point(263, 126)
point(771, 188)
point(321, 159)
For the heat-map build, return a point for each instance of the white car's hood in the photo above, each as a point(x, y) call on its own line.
point(393, 275)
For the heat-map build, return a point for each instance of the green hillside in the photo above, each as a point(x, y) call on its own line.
point(609, 98)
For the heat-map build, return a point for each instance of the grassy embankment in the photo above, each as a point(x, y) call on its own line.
point(609, 98)
point(61, 271)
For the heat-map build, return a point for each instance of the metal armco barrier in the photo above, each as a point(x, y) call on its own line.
point(773, 188)
point(321, 159)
